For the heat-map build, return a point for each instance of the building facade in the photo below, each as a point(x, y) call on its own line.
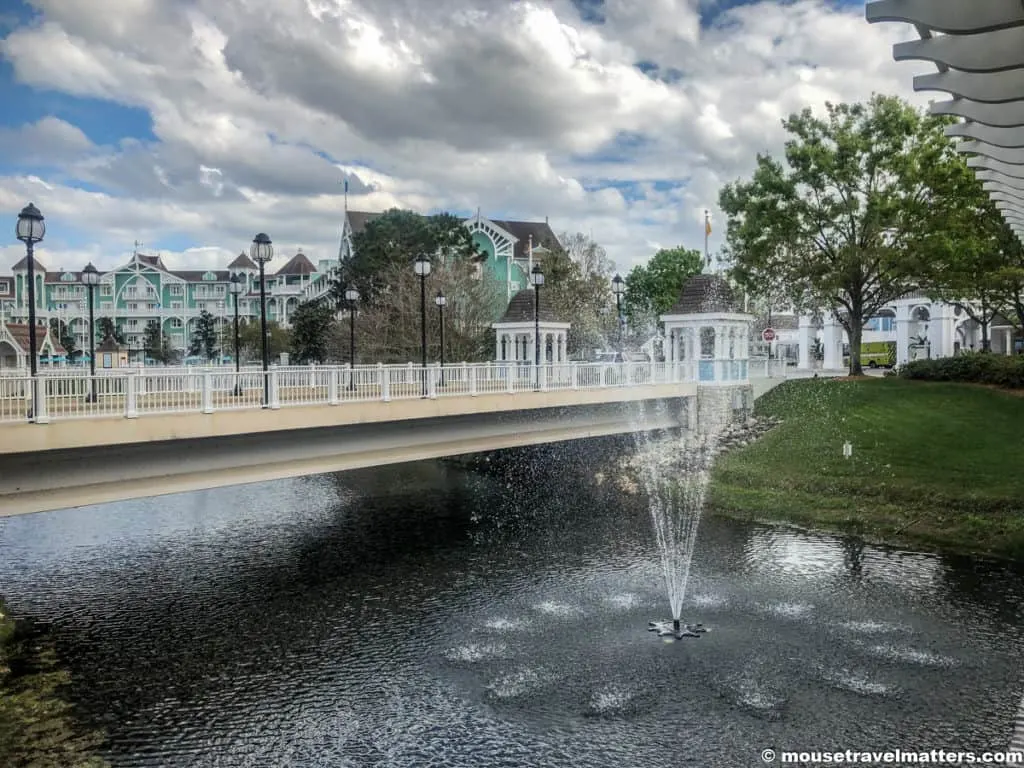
point(145, 289)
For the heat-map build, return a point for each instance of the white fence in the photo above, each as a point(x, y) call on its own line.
point(135, 392)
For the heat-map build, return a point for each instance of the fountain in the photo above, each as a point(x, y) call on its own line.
point(708, 339)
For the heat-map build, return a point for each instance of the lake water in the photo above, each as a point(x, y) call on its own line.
point(425, 615)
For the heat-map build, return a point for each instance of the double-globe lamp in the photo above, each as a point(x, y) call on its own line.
point(351, 298)
point(236, 287)
point(537, 280)
point(91, 278)
point(422, 268)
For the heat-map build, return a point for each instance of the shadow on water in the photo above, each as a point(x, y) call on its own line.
point(493, 612)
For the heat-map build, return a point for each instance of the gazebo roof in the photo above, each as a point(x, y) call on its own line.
point(521, 308)
point(19, 334)
point(705, 295)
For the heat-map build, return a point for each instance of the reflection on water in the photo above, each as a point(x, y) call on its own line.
point(422, 615)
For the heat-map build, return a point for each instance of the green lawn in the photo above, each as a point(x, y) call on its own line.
point(934, 464)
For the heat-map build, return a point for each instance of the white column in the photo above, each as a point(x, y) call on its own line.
point(805, 340)
point(902, 334)
point(670, 346)
point(832, 342)
point(1009, 341)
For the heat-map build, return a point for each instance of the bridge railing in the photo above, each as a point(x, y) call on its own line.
point(131, 393)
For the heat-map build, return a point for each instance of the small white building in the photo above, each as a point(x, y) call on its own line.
point(516, 331)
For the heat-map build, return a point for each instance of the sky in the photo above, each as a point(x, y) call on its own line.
point(191, 125)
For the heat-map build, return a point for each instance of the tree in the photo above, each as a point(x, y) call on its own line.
point(250, 348)
point(204, 337)
point(652, 289)
point(312, 326)
point(396, 238)
point(580, 289)
point(157, 344)
point(841, 224)
point(106, 329)
point(62, 333)
point(582, 250)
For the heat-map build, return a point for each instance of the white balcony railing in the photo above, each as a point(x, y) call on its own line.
point(63, 394)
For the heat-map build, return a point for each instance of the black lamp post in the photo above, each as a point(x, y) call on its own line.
point(619, 288)
point(262, 251)
point(537, 279)
point(30, 231)
point(91, 278)
point(351, 297)
point(236, 288)
point(441, 301)
point(422, 268)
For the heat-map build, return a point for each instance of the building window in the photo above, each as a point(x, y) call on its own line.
point(106, 290)
point(175, 305)
point(175, 290)
point(176, 322)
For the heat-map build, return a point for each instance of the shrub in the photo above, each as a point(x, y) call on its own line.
point(974, 367)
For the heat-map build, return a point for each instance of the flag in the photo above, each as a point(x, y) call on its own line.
point(707, 225)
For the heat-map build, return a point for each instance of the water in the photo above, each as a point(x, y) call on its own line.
point(428, 616)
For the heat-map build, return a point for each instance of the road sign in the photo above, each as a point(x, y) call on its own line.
point(768, 334)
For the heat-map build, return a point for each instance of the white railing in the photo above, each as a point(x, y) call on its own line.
point(131, 393)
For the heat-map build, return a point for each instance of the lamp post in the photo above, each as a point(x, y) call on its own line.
point(91, 278)
point(352, 297)
point(422, 268)
point(262, 251)
point(537, 279)
point(30, 230)
point(618, 288)
point(441, 301)
point(236, 287)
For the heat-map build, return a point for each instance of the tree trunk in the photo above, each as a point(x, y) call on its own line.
point(855, 332)
point(986, 344)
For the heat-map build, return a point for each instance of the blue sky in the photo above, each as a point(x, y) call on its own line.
point(191, 131)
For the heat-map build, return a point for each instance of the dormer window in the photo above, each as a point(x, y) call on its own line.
point(67, 277)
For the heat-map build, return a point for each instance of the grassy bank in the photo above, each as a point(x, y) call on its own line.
point(36, 727)
point(934, 464)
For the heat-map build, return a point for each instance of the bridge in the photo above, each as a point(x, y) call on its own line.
point(131, 433)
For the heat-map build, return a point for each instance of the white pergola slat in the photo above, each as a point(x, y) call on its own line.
point(978, 49)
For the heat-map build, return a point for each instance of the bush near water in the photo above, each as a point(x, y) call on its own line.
point(935, 464)
point(972, 367)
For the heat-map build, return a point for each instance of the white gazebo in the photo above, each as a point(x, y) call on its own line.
point(517, 330)
point(707, 334)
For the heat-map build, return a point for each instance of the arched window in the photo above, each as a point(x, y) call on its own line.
point(732, 343)
point(707, 342)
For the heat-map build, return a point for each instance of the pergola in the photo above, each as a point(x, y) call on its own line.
point(978, 48)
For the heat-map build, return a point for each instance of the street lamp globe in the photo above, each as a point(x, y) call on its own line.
point(441, 300)
point(261, 250)
point(237, 286)
point(31, 227)
point(351, 294)
point(90, 275)
point(422, 265)
point(537, 275)
point(618, 285)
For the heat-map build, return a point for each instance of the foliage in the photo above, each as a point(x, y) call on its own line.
point(976, 367)
point(390, 331)
point(61, 332)
point(312, 327)
point(106, 328)
point(157, 344)
point(278, 340)
point(204, 337)
point(843, 224)
point(652, 288)
point(36, 724)
point(394, 240)
point(909, 479)
point(577, 278)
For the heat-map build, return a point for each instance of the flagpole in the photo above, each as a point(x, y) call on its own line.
point(707, 258)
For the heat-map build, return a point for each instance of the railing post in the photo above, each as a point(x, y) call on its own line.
point(275, 402)
point(385, 382)
point(130, 405)
point(471, 373)
point(653, 370)
point(432, 373)
point(332, 385)
point(207, 397)
point(510, 374)
point(575, 368)
point(604, 374)
point(39, 410)
point(542, 375)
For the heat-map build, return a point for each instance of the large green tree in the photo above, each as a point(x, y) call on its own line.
point(106, 328)
point(157, 343)
point(61, 331)
point(841, 219)
point(250, 348)
point(577, 277)
point(204, 337)
point(312, 326)
point(652, 288)
point(395, 239)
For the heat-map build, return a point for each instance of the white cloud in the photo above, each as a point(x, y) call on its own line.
point(261, 107)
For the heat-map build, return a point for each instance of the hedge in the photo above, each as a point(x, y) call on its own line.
point(974, 367)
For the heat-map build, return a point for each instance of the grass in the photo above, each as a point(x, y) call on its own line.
point(936, 465)
point(37, 728)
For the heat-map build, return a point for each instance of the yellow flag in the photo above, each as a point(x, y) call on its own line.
point(707, 226)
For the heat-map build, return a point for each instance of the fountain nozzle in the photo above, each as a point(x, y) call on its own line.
point(675, 624)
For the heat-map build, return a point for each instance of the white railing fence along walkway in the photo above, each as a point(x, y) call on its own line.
point(131, 393)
